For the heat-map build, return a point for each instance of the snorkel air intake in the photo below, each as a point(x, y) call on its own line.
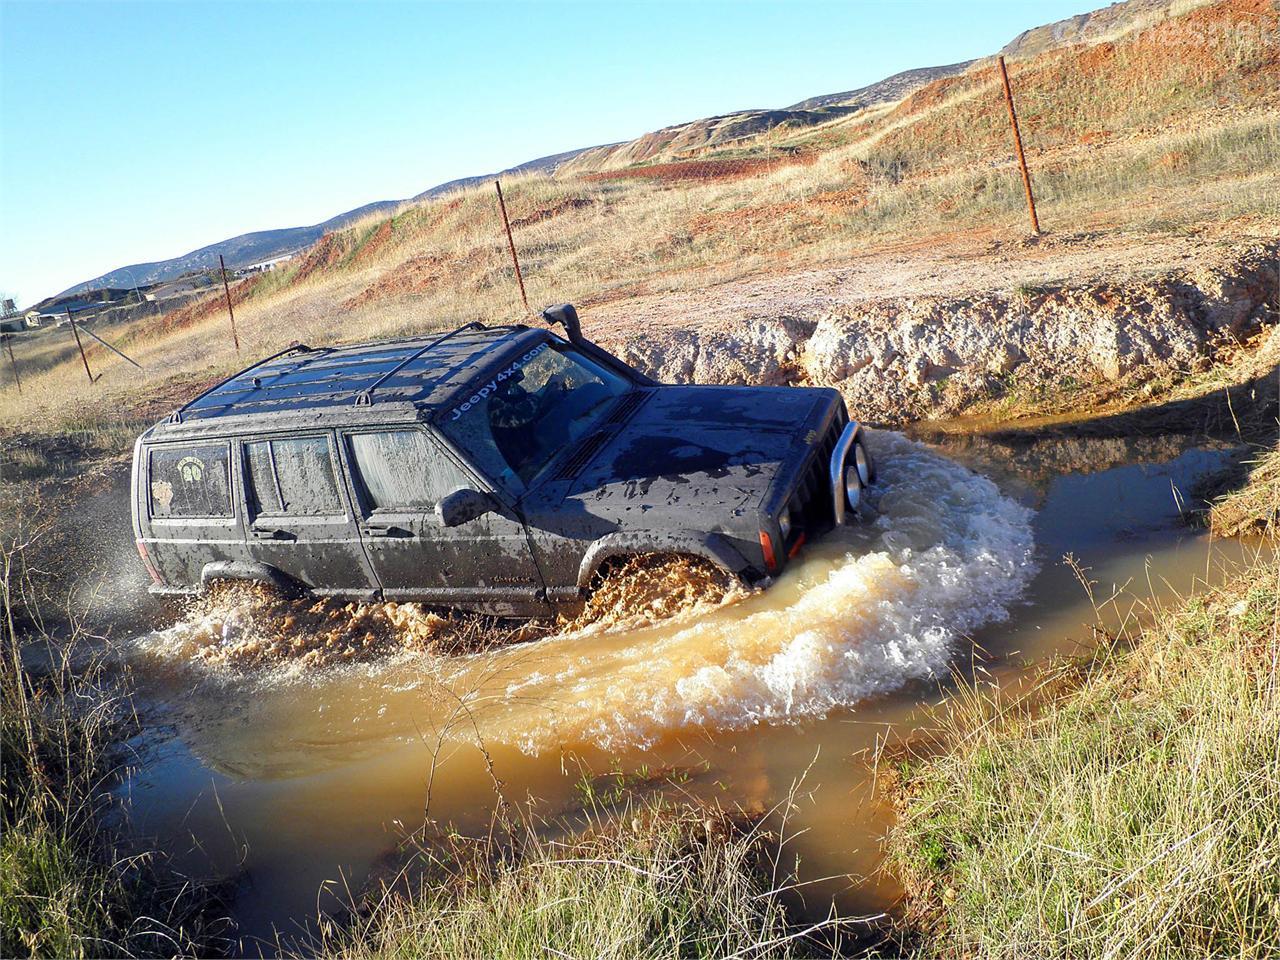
point(567, 317)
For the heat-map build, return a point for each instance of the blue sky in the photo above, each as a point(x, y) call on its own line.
point(138, 131)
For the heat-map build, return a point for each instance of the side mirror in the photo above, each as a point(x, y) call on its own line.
point(463, 506)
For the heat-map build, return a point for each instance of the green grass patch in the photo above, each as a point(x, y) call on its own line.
point(65, 889)
point(647, 881)
point(1137, 816)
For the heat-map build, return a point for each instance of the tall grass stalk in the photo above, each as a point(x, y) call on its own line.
point(65, 889)
point(647, 881)
point(1136, 816)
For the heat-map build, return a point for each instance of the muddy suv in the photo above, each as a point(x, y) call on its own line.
point(498, 469)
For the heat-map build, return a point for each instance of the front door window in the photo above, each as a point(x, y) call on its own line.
point(403, 470)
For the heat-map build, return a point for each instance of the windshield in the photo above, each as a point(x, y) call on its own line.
point(513, 424)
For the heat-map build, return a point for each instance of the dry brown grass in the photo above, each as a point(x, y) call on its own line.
point(1254, 508)
point(934, 166)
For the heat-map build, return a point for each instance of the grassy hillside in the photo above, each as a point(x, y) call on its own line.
point(1173, 128)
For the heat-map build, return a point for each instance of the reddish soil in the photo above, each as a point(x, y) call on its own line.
point(932, 94)
point(241, 290)
point(851, 199)
point(1226, 52)
point(417, 275)
point(381, 237)
point(753, 218)
point(328, 252)
point(546, 213)
point(704, 169)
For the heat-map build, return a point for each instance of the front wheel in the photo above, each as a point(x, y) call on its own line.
point(648, 588)
point(853, 486)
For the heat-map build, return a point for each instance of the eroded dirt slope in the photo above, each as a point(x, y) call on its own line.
point(924, 333)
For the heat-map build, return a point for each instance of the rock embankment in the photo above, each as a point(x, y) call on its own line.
point(913, 357)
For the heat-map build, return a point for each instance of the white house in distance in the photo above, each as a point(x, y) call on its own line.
point(265, 266)
point(13, 320)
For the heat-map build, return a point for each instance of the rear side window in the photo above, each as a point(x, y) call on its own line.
point(191, 481)
point(292, 477)
point(403, 469)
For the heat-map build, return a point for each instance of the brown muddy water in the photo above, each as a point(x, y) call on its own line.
point(298, 778)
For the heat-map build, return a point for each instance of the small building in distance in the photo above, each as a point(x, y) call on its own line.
point(13, 320)
point(265, 266)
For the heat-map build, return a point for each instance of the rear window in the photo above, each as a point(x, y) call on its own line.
point(191, 481)
point(293, 477)
point(403, 469)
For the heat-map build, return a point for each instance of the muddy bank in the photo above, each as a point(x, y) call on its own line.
point(908, 358)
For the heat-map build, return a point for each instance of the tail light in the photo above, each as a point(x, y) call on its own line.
point(146, 562)
point(795, 547)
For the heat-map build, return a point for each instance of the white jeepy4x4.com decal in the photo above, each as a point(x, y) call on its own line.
point(492, 385)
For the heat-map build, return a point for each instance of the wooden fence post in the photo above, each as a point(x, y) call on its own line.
point(83, 359)
point(8, 343)
point(231, 313)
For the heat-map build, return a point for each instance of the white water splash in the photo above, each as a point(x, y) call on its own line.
point(866, 612)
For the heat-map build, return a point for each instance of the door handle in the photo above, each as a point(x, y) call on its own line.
point(272, 533)
point(384, 530)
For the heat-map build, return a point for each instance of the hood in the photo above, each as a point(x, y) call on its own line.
point(701, 458)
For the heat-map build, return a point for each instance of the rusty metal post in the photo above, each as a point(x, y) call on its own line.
point(511, 245)
point(1017, 144)
point(76, 330)
point(231, 313)
point(8, 343)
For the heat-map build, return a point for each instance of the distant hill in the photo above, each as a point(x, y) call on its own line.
point(885, 91)
point(1107, 23)
point(683, 140)
point(264, 244)
point(238, 252)
point(542, 165)
point(673, 142)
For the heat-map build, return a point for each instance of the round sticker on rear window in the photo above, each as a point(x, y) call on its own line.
point(191, 469)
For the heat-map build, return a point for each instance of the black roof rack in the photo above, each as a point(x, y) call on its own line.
point(176, 416)
point(419, 371)
point(365, 397)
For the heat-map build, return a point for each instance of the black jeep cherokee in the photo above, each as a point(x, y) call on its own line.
point(493, 469)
